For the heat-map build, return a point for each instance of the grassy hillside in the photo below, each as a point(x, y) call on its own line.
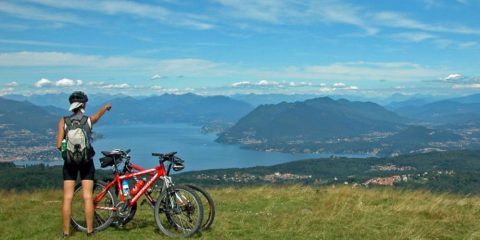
point(293, 212)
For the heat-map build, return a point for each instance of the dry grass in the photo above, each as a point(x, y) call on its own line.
point(293, 212)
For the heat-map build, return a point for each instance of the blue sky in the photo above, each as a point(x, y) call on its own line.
point(240, 46)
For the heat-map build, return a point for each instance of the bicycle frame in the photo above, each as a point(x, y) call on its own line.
point(158, 172)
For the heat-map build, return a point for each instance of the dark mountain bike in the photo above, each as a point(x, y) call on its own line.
point(178, 210)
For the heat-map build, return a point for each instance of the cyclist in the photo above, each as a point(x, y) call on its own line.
point(78, 101)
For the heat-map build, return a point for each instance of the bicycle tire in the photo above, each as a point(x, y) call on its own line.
point(102, 218)
point(189, 206)
point(210, 208)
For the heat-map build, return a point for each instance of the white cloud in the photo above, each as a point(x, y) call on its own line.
point(467, 86)
point(267, 83)
point(160, 89)
point(453, 77)
point(156, 87)
point(339, 86)
point(466, 2)
point(187, 66)
point(326, 89)
point(175, 67)
point(299, 84)
point(43, 83)
point(116, 86)
point(337, 12)
point(241, 84)
point(95, 84)
point(467, 44)
point(40, 43)
point(65, 82)
point(292, 12)
point(68, 82)
point(32, 13)
point(5, 91)
point(11, 84)
point(360, 71)
point(157, 76)
point(190, 67)
point(414, 36)
point(135, 9)
point(398, 20)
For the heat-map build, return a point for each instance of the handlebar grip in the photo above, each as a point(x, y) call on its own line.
point(157, 154)
point(127, 151)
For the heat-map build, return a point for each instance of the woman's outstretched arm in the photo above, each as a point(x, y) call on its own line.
point(100, 113)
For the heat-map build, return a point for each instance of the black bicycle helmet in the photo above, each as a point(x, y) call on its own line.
point(78, 96)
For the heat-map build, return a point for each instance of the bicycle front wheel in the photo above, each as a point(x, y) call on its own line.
point(178, 212)
point(104, 210)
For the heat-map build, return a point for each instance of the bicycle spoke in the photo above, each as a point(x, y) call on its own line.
point(99, 219)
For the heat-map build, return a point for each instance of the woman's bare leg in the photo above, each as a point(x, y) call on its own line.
point(87, 186)
point(68, 188)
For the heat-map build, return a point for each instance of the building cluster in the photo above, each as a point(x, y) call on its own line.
point(392, 167)
point(284, 176)
point(383, 181)
point(391, 180)
point(26, 145)
point(246, 177)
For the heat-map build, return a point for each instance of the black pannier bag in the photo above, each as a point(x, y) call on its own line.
point(106, 162)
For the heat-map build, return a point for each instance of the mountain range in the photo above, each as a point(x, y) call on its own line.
point(186, 108)
point(314, 119)
point(18, 115)
point(319, 124)
point(170, 108)
point(460, 111)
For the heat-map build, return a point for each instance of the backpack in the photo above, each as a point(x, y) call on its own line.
point(78, 135)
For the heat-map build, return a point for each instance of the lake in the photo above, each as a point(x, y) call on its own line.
point(199, 151)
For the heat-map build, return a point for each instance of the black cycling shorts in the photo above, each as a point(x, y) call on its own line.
point(87, 171)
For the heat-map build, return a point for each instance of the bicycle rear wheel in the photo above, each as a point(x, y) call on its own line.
point(208, 206)
point(178, 212)
point(104, 213)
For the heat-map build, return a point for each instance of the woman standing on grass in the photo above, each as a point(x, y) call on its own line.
point(73, 139)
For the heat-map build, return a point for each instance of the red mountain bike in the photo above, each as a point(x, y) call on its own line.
point(178, 210)
point(177, 163)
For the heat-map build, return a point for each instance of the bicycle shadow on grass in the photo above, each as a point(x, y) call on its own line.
point(136, 224)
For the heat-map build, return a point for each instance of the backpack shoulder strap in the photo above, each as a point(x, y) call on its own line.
point(68, 122)
point(84, 120)
point(89, 122)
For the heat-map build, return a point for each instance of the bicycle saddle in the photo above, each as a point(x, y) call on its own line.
point(164, 155)
point(113, 153)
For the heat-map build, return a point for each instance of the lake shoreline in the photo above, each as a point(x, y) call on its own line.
point(199, 150)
